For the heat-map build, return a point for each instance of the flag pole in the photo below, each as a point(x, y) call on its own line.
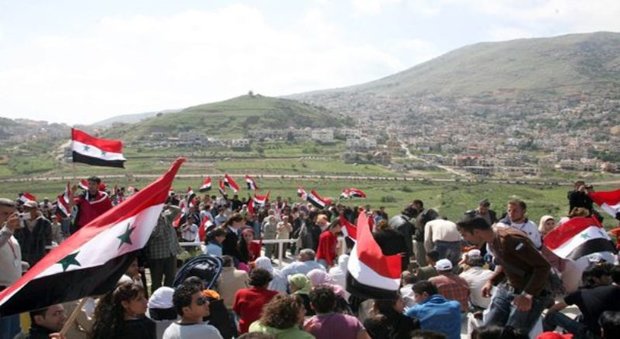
point(72, 317)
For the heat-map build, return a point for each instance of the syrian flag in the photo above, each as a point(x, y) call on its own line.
point(608, 201)
point(370, 274)
point(261, 199)
point(348, 229)
point(222, 188)
point(578, 237)
point(25, 197)
point(315, 199)
point(206, 185)
point(229, 182)
point(94, 151)
point(92, 260)
point(251, 183)
point(205, 225)
point(353, 193)
point(302, 193)
point(63, 202)
point(189, 196)
point(83, 184)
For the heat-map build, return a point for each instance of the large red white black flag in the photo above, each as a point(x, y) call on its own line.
point(92, 260)
point(95, 151)
point(370, 274)
point(608, 201)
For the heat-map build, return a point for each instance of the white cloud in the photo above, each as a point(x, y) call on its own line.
point(147, 63)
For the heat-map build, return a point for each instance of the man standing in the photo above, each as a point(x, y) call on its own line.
point(423, 217)
point(34, 234)
point(10, 261)
point(441, 235)
point(90, 204)
point(515, 218)
point(484, 210)
point(162, 249)
point(521, 275)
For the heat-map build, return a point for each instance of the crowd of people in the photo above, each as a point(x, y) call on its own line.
point(487, 274)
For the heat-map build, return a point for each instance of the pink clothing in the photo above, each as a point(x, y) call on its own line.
point(333, 325)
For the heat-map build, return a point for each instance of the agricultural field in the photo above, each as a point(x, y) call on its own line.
point(451, 199)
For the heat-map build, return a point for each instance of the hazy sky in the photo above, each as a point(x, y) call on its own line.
point(81, 61)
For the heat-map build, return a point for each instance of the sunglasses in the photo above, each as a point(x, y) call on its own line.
point(201, 301)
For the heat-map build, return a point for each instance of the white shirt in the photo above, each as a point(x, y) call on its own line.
point(442, 230)
point(10, 258)
point(528, 228)
point(302, 267)
point(191, 331)
point(476, 277)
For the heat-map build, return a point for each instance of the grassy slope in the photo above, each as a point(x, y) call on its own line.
point(231, 118)
point(560, 65)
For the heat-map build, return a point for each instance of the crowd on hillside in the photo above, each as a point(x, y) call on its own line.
point(489, 274)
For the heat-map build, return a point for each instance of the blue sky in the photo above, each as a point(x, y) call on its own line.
point(83, 61)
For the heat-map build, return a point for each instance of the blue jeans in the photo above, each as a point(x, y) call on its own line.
point(503, 313)
point(9, 326)
point(553, 319)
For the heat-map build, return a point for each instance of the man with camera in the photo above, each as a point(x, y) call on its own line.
point(10, 261)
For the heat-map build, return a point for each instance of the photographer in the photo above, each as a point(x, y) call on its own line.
point(10, 261)
point(578, 197)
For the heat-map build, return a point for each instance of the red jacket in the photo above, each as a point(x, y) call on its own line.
point(327, 247)
point(88, 210)
point(249, 304)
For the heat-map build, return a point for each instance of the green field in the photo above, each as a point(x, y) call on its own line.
point(450, 199)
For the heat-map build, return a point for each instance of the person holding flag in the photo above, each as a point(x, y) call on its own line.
point(10, 261)
point(162, 248)
point(90, 204)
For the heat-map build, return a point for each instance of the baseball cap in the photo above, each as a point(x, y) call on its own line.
point(474, 254)
point(443, 265)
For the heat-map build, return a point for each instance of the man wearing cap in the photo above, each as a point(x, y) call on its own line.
point(450, 285)
point(10, 261)
point(34, 234)
point(485, 212)
point(476, 276)
point(521, 274)
point(90, 204)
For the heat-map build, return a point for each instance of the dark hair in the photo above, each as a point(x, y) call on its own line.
point(433, 254)
point(418, 202)
point(235, 217)
point(94, 179)
point(408, 278)
point(595, 271)
point(40, 311)
point(194, 280)
point(518, 202)
point(281, 312)
point(110, 314)
point(610, 324)
point(218, 232)
point(322, 299)
point(260, 277)
point(410, 211)
point(469, 224)
point(227, 261)
point(425, 286)
point(182, 296)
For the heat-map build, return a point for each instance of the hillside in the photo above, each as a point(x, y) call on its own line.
point(232, 118)
point(534, 68)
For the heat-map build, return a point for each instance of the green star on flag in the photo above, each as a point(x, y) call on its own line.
point(585, 235)
point(86, 147)
point(69, 260)
point(126, 237)
point(103, 153)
